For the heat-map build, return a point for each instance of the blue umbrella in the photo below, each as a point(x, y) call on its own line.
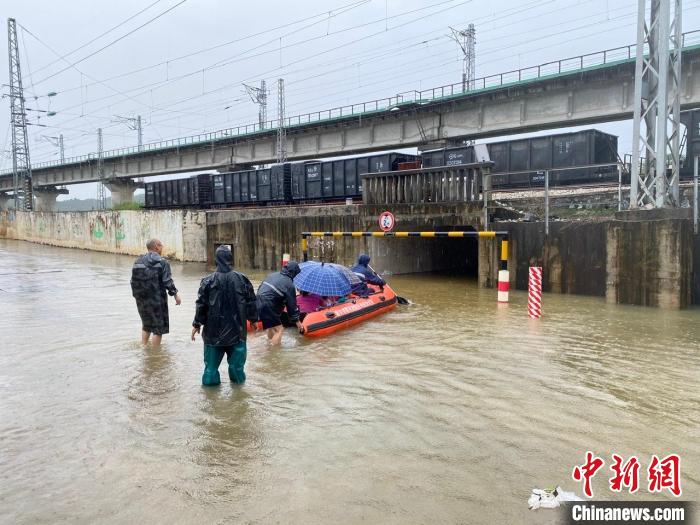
point(322, 279)
point(352, 277)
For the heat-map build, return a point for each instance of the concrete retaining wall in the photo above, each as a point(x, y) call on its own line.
point(259, 237)
point(183, 233)
point(646, 257)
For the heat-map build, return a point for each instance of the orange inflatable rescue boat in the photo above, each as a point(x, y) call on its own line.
point(353, 311)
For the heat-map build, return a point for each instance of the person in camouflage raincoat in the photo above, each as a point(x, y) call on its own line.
point(151, 283)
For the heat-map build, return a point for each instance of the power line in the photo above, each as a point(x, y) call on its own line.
point(189, 98)
point(240, 56)
point(81, 72)
point(97, 37)
point(112, 42)
point(160, 84)
point(503, 48)
point(341, 10)
point(164, 121)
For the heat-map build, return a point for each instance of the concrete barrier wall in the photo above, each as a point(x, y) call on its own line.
point(183, 233)
point(259, 237)
point(648, 258)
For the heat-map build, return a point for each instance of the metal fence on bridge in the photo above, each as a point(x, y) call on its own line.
point(460, 183)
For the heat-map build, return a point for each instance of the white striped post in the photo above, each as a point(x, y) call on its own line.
point(534, 293)
point(503, 274)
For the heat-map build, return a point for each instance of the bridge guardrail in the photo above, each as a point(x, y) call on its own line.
point(439, 184)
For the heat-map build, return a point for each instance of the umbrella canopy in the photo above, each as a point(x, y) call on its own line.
point(322, 279)
point(352, 277)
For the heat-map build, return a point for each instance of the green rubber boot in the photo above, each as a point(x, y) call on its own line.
point(212, 360)
point(236, 362)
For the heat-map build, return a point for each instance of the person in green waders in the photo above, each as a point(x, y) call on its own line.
point(226, 300)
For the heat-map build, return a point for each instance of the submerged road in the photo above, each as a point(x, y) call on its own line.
point(447, 411)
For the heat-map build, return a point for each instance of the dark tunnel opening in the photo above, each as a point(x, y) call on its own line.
point(456, 256)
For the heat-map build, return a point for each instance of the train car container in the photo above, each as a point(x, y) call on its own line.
point(340, 179)
point(192, 191)
point(531, 155)
point(567, 150)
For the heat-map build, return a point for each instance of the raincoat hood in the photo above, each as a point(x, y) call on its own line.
point(152, 258)
point(363, 259)
point(291, 270)
point(224, 259)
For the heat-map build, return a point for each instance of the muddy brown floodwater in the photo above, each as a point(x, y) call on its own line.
point(447, 411)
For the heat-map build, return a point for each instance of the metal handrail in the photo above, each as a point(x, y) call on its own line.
point(527, 74)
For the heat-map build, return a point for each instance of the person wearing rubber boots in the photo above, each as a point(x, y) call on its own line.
point(226, 300)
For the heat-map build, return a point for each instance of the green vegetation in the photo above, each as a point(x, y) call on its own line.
point(128, 206)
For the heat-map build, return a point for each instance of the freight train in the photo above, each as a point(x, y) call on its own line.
point(516, 165)
point(288, 183)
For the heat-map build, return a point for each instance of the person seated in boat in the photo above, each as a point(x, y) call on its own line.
point(367, 276)
point(308, 302)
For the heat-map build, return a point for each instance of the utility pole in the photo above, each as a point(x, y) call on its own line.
point(58, 142)
point(259, 96)
point(281, 131)
point(101, 189)
point(466, 40)
point(132, 123)
point(656, 148)
point(21, 164)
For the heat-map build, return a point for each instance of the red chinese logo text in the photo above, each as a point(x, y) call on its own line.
point(662, 473)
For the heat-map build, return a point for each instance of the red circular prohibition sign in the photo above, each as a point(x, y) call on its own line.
point(387, 221)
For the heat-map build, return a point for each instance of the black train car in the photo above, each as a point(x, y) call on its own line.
point(192, 191)
point(448, 157)
point(339, 179)
point(262, 186)
point(540, 153)
point(691, 121)
point(564, 150)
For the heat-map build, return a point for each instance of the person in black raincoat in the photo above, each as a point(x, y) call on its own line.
point(225, 302)
point(362, 270)
point(151, 283)
point(275, 293)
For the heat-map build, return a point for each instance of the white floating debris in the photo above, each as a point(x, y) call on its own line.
point(550, 498)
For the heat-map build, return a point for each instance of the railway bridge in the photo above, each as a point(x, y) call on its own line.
point(586, 89)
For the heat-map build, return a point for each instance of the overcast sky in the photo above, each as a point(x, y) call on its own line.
point(183, 71)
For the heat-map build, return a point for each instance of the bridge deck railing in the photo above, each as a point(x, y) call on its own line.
point(441, 184)
point(403, 100)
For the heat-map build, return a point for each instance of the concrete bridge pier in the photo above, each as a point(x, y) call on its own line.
point(46, 197)
point(650, 258)
point(5, 199)
point(122, 190)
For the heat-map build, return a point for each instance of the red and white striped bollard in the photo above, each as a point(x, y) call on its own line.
point(534, 293)
point(503, 285)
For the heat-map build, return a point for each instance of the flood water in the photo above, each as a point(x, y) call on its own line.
point(447, 411)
